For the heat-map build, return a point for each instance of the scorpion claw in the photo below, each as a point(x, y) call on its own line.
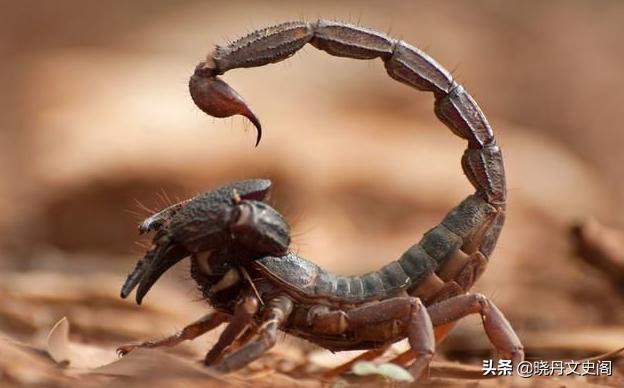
point(165, 257)
point(216, 98)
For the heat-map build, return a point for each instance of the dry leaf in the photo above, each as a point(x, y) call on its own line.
point(75, 355)
point(155, 364)
point(391, 371)
point(24, 365)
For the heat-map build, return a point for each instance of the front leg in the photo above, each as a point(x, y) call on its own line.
point(201, 326)
point(240, 321)
point(278, 311)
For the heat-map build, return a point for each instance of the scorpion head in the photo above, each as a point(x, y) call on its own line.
point(223, 220)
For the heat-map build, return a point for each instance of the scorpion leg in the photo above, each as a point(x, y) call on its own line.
point(421, 338)
point(390, 318)
point(458, 275)
point(408, 356)
point(445, 314)
point(190, 332)
point(244, 311)
point(367, 320)
point(278, 311)
point(250, 333)
point(432, 291)
point(496, 326)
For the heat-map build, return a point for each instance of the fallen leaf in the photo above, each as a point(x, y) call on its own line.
point(74, 355)
point(25, 366)
point(391, 371)
point(155, 364)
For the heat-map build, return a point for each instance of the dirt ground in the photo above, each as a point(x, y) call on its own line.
point(98, 129)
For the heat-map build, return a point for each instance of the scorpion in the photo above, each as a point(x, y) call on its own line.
point(238, 245)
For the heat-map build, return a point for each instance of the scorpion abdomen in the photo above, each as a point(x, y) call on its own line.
point(457, 235)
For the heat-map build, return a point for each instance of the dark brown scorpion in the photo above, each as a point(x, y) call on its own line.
point(238, 245)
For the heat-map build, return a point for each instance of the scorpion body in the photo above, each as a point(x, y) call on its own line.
point(252, 281)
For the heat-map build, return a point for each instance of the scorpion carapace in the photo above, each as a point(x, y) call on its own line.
point(260, 291)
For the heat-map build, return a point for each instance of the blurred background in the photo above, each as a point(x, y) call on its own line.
point(97, 127)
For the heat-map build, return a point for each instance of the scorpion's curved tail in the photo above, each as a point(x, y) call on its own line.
point(459, 246)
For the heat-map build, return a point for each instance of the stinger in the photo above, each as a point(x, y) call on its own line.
point(216, 98)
